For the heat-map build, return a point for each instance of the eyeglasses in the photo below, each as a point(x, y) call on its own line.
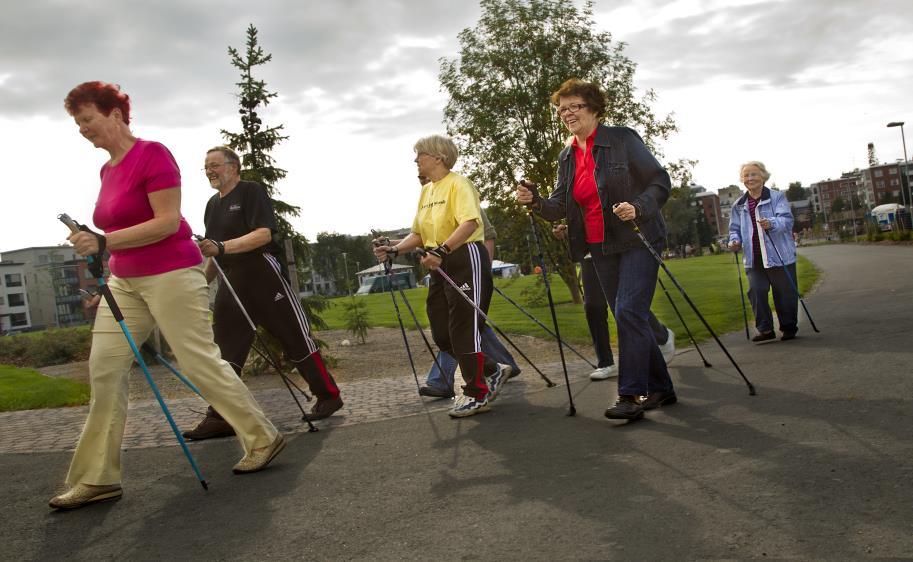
point(214, 166)
point(572, 108)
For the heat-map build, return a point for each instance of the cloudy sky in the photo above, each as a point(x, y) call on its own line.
point(803, 85)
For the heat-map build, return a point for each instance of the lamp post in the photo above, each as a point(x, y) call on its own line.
point(905, 173)
point(345, 264)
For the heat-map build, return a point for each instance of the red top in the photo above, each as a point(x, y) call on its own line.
point(123, 201)
point(585, 192)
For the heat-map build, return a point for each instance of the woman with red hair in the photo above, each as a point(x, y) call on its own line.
point(157, 280)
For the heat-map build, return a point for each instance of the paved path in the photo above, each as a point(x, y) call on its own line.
point(816, 466)
point(365, 401)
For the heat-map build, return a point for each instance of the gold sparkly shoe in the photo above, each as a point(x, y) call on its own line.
point(259, 458)
point(84, 494)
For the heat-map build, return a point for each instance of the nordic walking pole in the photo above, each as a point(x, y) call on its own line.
point(548, 291)
point(541, 325)
point(659, 259)
point(682, 320)
point(742, 294)
point(792, 282)
point(272, 360)
point(97, 270)
point(548, 383)
point(158, 356)
point(381, 240)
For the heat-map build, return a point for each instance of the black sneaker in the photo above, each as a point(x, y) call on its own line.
point(657, 399)
point(625, 408)
point(788, 335)
point(210, 428)
point(764, 336)
point(432, 392)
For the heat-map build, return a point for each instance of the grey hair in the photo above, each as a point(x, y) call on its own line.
point(759, 165)
point(230, 155)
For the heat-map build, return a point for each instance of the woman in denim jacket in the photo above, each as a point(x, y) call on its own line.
point(762, 223)
point(606, 178)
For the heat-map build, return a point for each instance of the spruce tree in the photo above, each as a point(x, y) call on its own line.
point(256, 140)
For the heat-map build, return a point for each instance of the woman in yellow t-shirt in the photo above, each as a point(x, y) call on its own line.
point(448, 225)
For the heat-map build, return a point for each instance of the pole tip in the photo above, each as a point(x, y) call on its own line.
point(571, 412)
point(205, 485)
point(751, 390)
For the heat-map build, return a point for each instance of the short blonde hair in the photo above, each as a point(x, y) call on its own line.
point(758, 165)
point(438, 146)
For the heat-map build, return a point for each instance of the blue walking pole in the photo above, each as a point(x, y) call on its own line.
point(158, 356)
point(95, 267)
point(792, 282)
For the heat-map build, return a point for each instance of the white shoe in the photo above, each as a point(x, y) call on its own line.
point(603, 373)
point(468, 406)
point(668, 348)
point(496, 381)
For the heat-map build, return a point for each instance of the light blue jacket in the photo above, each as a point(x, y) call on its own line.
point(774, 207)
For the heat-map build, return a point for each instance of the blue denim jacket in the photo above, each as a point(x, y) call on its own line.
point(774, 207)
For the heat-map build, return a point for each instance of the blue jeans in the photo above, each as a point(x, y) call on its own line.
point(597, 316)
point(628, 281)
point(491, 347)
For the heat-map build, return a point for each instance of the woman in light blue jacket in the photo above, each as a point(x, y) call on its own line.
point(762, 223)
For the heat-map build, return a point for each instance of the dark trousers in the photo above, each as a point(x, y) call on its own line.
point(597, 316)
point(270, 303)
point(455, 325)
point(628, 281)
point(786, 301)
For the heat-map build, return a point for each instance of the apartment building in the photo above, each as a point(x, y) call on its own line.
point(14, 303)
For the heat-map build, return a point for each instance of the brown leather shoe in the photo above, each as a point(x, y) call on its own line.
point(259, 458)
point(210, 428)
point(84, 494)
point(325, 407)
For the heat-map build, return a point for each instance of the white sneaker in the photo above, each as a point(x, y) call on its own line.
point(496, 381)
point(468, 406)
point(668, 348)
point(603, 373)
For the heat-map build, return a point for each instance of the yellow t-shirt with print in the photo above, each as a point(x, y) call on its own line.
point(443, 206)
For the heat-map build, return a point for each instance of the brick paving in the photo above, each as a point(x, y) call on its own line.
point(366, 401)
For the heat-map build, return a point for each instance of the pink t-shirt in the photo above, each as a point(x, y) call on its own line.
point(123, 201)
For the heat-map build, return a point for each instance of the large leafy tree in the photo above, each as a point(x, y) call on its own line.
point(499, 112)
point(256, 140)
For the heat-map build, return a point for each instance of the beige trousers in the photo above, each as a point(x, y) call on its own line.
point(178, 302)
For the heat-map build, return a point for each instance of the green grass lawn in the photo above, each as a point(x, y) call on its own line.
point(26, 389)
point(710, 281)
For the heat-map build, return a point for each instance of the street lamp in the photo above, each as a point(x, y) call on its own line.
point(345, 263)
point(905, 174)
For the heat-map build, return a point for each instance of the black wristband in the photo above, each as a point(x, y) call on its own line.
point(221, 246)
point(444, 248)
point(436, 253)
point(393, 252)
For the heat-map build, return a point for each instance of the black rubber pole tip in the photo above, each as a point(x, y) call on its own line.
point(205, 485)
point(751, 390)
point(550, 385)
point(313, 429)
point(571, 412)
point(706, 364)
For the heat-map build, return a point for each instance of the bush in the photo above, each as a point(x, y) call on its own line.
point(50, 347)
point(356, 315)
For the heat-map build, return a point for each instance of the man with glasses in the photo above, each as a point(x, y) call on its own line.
point(240, 227)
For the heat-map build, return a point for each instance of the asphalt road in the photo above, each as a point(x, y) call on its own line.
point(817, 465)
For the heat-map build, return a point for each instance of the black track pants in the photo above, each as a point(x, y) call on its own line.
point(455, 325)
point(269, 301)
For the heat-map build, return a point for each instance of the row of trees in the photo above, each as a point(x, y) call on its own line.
point(498, 112)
